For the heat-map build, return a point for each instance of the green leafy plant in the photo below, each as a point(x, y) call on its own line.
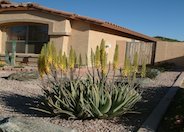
point(152, 73)
point(81, 99)
point(90, 97)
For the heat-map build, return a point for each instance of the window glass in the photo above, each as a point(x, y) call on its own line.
point(38, 33)
point(30, 38)
point(17, 33)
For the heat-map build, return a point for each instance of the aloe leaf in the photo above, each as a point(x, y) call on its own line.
point(41, 110)
point(105, 108)
point(96, 110)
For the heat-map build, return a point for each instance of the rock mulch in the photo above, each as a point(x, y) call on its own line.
point(16, 97)
point(152, 93)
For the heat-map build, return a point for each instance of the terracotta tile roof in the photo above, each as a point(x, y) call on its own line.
point(5, 2)
point(9, 6)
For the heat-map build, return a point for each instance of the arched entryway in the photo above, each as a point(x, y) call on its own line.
point(30, 37)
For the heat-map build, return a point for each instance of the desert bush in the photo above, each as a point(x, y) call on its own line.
point(92, 97)
point(152, 73)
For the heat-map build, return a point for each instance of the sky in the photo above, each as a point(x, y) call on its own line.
point(150, 17)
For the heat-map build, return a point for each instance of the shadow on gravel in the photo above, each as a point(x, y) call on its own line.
point(150, 98)
point(20, 104)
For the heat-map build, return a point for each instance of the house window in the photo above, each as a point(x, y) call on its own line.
point(29, 38)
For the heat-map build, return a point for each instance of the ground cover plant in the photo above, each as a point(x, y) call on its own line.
point(93, 96)
point(174, 118)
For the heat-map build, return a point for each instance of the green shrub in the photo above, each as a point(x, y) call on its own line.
point(90, 97)
point(152, 73)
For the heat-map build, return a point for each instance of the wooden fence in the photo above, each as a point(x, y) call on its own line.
point(145, 51)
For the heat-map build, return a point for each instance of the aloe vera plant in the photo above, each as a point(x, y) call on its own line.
point(81, 99)
point(90, 97)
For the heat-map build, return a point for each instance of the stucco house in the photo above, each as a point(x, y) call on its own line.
point(32, 25)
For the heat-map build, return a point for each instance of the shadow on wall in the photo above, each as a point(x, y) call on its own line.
point(178, 62)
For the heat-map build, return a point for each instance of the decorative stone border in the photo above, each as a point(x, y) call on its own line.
point(152, 122)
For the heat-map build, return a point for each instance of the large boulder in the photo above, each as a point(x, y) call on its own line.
point(23, 124)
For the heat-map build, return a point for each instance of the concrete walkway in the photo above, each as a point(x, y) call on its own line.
point(152, 122)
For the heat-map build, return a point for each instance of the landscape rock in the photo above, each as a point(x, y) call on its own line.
point(23, 124)
point(23, 76)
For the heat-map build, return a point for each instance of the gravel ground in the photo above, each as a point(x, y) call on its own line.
point(16, 98)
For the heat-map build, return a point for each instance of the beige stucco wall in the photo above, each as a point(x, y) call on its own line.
point(57, 24)
point(79, 39)
point(95, 37)
point(59, 27)
point(2, 42)
point(170, 52)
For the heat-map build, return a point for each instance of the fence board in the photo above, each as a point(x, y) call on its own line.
point(144, 50)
